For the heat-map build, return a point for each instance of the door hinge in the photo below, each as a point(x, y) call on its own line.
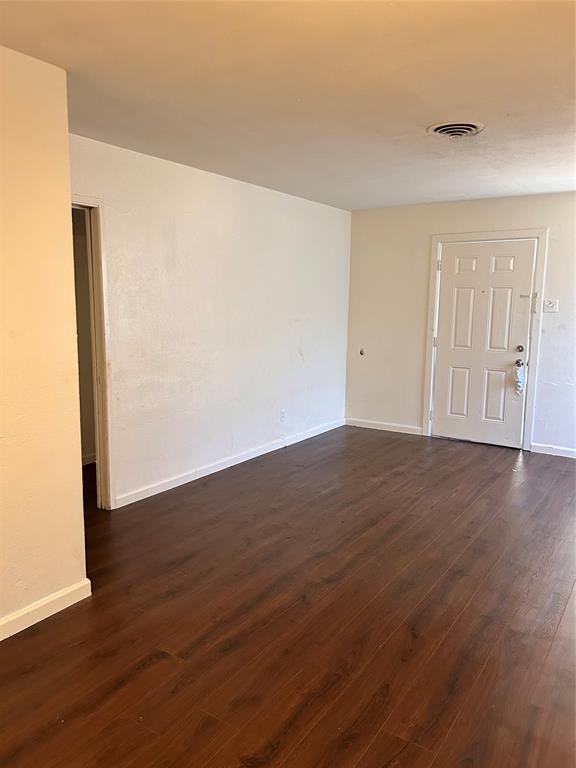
point(439, 264)
point(430, 416)
point(435, 341)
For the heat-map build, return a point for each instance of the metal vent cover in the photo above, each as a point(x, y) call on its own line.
point(456, 130)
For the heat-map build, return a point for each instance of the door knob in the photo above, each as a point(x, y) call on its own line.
point(519, 348)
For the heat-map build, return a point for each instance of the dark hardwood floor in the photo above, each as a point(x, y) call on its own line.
point(361, 600)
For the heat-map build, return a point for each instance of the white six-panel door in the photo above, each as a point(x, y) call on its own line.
point(482, 337)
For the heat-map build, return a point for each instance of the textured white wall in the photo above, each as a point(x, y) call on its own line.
point(41, 523)
point(390, 272)
point(227, 303)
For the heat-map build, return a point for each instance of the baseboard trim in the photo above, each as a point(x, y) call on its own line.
point(124, 499)
point(43, 608)
point(407, 429)
point(554, 450)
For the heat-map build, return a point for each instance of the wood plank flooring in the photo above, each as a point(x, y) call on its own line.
point(360, 600)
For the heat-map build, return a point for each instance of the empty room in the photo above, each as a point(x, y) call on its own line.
point(288, 401)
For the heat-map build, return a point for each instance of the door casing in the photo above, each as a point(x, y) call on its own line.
point(541, 237)
point(100, 336)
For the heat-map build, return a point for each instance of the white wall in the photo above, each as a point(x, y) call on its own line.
point(42, 565)
point(228, 302)
point(390, 272)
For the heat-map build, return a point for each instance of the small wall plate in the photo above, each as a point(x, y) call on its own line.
point(550, 305)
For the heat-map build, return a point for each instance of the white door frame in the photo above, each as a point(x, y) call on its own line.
point(100, 337)
point(541, 237)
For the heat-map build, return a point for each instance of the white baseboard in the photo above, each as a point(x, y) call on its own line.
point(297, 437)
point(173, 482)
point(386, 426)
point(554, 450)
point(41, 609)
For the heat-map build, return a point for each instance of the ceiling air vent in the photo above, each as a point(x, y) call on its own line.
point(456, 130)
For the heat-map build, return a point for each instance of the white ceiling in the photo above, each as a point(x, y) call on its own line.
point(326, 100)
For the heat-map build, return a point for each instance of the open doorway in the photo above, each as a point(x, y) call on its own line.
point(91, 357)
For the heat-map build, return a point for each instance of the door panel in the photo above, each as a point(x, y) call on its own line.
point(463, 319)
point(484, 315)
point(459, 391)
point(500, 316)
point(494, 395)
